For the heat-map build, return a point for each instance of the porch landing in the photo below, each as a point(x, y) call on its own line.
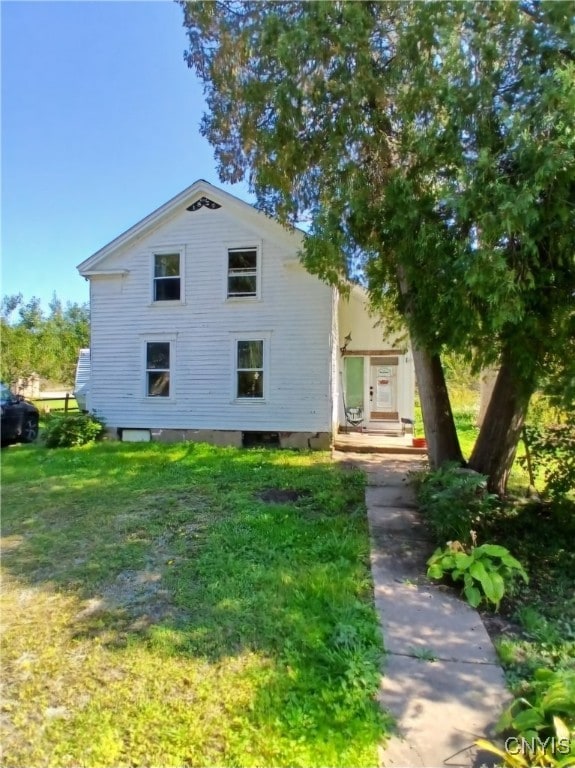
point(372, 442)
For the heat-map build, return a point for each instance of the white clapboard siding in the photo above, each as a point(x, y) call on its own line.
point(294, 313)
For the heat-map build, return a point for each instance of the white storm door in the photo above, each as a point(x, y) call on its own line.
point(383, 389)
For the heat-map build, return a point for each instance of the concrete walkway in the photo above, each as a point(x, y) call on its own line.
point(442, 681)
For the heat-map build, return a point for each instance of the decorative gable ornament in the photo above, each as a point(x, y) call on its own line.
point(198, 195)
point(203, 202)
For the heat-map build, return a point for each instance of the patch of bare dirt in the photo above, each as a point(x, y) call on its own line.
point(281, 495)
point(10, 544)
point(500, 626)
point(135, 599)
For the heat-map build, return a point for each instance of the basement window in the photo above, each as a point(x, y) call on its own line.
point(260, 440)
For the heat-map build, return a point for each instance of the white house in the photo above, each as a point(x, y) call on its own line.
point(205, 326)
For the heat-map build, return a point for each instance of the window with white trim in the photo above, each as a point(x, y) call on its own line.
point(167, 277)
point(249, 368)
point(243, 276)
point(158, 354)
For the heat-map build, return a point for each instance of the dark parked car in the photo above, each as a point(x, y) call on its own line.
point(18, 418)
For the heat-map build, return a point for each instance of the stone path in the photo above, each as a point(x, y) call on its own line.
point(442, 681)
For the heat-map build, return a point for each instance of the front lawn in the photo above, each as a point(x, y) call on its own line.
point(186, 605)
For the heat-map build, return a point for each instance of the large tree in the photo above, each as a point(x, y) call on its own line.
point(34, 341)
point(431, 148)
point(483, 210)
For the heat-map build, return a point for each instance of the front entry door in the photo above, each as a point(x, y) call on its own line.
point(383, 389)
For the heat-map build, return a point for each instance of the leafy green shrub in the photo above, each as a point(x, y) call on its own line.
point(486, 571)
point(551, 693)
point(553, 452)
point(64, 430)
point(455, 501)
point(541, 723)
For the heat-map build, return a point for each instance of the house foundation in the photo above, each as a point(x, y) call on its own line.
point(315, 441)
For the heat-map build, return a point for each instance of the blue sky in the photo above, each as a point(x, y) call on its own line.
point(100, 126)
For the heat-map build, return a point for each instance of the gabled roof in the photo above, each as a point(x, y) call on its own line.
point(190, 198)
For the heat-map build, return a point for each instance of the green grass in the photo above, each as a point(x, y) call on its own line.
point(157, 611)
point(58, 406)
point(465, 417)
point(465, 407)
point(467, 431)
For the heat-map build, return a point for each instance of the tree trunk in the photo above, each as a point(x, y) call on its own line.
point(440, 432)
point(496, 444)
point(486, 383)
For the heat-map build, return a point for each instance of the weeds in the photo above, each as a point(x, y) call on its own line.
point(455, 502)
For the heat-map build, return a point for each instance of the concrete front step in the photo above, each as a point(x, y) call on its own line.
point(344, 447)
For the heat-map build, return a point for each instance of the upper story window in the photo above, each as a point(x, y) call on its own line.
point(167, 277)
point(243, 275)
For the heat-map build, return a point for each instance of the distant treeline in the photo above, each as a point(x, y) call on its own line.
point(44, 342)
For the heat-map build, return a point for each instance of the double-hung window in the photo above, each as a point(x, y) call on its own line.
point(242, 273)
point(158, 369)
point(250, 368)
point(167, 277)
